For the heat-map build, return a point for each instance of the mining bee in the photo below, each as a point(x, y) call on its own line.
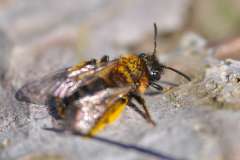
point(92, 94)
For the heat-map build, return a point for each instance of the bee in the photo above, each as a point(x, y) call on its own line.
point(93, 94)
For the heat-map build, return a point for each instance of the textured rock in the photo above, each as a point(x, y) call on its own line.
point(223, 82)
point(5, 52)
point(195, 120)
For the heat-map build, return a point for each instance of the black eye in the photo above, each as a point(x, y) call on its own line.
point(142, 55)
point(155, 75)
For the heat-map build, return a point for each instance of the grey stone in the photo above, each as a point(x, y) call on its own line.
point(187, 127)
point(223, 81)
point(5, 52)
point(195, 120)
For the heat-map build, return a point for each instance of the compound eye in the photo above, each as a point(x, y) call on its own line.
point(155, 75)
point(142, 55)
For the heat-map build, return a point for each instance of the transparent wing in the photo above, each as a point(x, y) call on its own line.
point(92, 113)
point(62, 83)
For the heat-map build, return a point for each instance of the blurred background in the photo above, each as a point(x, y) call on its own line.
point(80, 30)
point(94, 28)
point(75, 30)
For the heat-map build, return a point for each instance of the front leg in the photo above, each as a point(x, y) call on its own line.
point(92, 62)
point(144, 114)
point(156, 86)
point(104, 59)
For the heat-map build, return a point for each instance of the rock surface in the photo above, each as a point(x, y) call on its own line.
point(195, 120)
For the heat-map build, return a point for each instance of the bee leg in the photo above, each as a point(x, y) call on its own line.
point(146, 114)
point(104, 59)
point(56, 108)
point(92, 61)
point(157, 86)
point(134, 106)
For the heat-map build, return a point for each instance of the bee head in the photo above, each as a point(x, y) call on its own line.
point(154, 68)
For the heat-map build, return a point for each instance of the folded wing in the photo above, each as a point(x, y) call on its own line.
point(62, 83)
point(92, 113)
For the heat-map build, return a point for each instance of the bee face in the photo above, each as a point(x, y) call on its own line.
point(154, 68)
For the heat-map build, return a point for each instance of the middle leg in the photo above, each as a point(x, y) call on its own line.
point(145, 114)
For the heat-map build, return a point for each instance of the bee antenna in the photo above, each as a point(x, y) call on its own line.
point(178, 72)
point(155, 38)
